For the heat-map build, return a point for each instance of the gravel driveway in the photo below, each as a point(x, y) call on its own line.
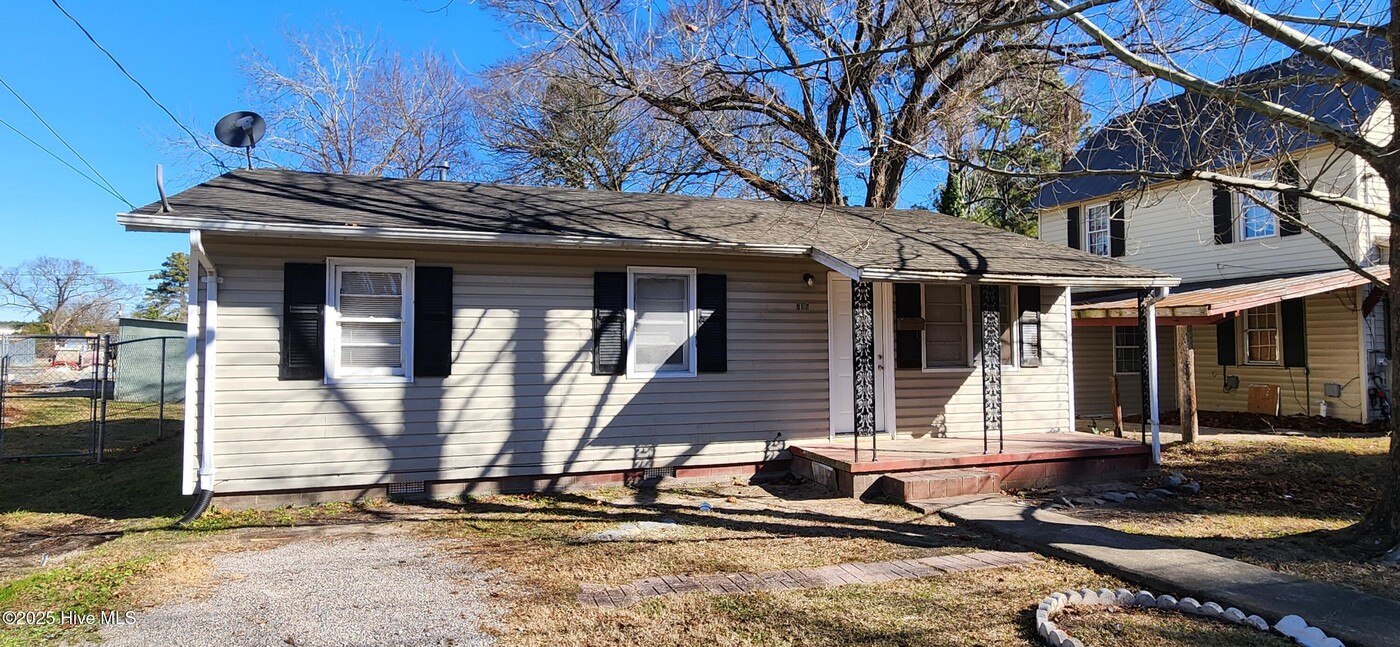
point(350, 590)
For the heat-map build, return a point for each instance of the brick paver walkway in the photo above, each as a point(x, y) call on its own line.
point(594, 595)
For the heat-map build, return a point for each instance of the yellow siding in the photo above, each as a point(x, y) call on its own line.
point(1334, 354)
point(1170, 228)
point(1093, 364)
point(949, 402)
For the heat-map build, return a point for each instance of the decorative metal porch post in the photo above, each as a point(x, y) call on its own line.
point(990, 309)
point(1143, 376)
point(863, 354)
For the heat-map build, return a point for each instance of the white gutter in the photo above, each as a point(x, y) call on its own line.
point(188, 481)
point(168, 223)
point(1069, 356)
point(210, 319)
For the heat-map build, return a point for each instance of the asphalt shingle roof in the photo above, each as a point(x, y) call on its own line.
point(881, 239)
point(1189, 131)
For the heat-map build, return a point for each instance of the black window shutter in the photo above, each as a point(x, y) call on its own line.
point(1028, 302)
point(1223, 204)
point(1291, 204)
point(711, 337)
point(1072, 226)
point(1117, 229)
point(303, 327)
point(609, 323)
point(1293, 327)
point(1225, 354)
point(908, 325)
point(432, 321)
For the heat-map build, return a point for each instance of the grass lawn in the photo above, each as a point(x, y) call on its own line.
point(1277, 503)
point(106, 531)
point(61, 425)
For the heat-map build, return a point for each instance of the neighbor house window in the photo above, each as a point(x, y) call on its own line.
point(1127, 349)
point(1096, 235)
point(1261, 334)
point(1257, 220)
point(945, 326)
point(661, 322)
point(369, 328)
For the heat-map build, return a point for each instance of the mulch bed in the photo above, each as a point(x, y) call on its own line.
point(1261, 422)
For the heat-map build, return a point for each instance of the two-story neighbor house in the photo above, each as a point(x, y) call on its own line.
point(1265, 301)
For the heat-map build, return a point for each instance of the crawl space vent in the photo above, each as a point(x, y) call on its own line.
point(407, 489)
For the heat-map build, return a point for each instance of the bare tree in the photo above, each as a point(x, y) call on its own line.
point(67, 295)
point(347, 103)
point(543, 128)
point(1279, 131)
point(801, 99)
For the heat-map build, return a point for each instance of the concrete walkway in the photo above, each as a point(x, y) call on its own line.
point(1355, 618)
point(593, 595)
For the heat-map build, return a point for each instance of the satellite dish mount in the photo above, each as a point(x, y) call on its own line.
point(241, 129)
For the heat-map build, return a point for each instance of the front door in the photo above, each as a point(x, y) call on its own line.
point(842, 351)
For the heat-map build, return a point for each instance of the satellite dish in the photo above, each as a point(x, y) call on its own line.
point(241, 129)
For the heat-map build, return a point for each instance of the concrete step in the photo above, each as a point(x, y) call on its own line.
point(939, 484)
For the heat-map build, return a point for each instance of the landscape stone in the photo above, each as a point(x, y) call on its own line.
point(1190, 488)
point(1046, 628)
point(1125, 597)
point(1088, 597)
point(1073, 598)
point(1083, 500)
point(1291, 626)
point(1145, 600)
point(1234, 615)
point(1099, 502)
point(1166, 602)
point(1311, 637)
point(1114, 497)
point(1172, 480)
point(1161, 493)
point(1212, 610)
point(1257, 622)
point(1130, 495)
point(1189, 605)
point(1057, 637)
point(1107, 597)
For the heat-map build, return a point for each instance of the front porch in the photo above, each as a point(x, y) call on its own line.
point(1026, 460)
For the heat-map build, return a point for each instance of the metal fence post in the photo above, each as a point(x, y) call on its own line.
point(92, 406)
point(4, 385)
point(160, 428)
point(104, 343)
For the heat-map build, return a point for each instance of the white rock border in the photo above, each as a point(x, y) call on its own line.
point(1293, 627)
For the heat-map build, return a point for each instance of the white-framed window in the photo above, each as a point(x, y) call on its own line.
point(1261, 337)
point(1256, 219)
point(369, 320)
point(1127, 349)
point(950, 327)
point(661, 322)
point(1097, 239)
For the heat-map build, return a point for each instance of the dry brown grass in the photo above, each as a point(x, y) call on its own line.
point(1155, 628)
point(1277, 503)
point(535, 544)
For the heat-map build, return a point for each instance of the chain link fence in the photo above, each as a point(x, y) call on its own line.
point(88, 396)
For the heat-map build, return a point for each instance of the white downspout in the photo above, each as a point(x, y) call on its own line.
point(1152, 384)
point(189, 460)
point(206, 397)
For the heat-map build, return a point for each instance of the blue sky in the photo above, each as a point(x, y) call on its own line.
point(187, 54)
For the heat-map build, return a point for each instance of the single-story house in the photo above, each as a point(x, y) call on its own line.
point(352, 334)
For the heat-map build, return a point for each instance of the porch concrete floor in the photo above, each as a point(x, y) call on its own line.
point(905, 454)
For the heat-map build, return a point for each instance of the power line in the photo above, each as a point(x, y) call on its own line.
point(65, 162)
point(60, 138)
point(152, 97)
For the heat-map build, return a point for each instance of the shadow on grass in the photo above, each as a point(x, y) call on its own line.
point(133, 481)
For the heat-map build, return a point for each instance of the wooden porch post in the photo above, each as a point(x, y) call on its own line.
point(1186, 382)
point(990, 310)
point(863, 354)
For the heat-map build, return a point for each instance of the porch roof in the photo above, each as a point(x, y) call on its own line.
point(862, 243)
point(1213, 302)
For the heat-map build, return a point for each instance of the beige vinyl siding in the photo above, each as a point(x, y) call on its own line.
point(949, 402)
point(1170, 228)
point(522, 399)
point(1093, 365)
point(1334, 354)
